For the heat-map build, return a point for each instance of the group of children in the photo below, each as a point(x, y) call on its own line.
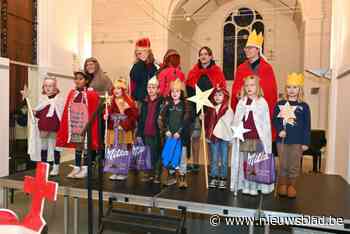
point(156, 107)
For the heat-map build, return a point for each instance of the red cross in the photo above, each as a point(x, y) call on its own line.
point(40, 189)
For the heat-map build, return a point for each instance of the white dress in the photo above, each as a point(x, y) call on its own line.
point(34, 140)
point(262, 122)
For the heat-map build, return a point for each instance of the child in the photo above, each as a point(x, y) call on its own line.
point(123, 115)
point(253, 112)
point(169, 71)
point(217, 124)
point(81, 104)
point(175, 119)
point(293, 134)
point(143, 69)
point(148, 128)
point(49, 113)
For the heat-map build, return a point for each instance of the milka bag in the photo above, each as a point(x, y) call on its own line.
point(142, 153)
point(260, 167)
point(117, 158)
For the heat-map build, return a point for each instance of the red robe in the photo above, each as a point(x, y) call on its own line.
point(214, 73)
point(131, 112)
point(211, 117)
point(267, 83)
point(166, 76)
point(62, 134)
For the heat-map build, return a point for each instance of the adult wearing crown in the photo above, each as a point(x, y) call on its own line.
point(256, 64)
point(143, 69)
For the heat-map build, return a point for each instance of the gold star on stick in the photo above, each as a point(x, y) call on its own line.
point(287, 113)
point(25, 92)
point(25, 96)
point(201, 99)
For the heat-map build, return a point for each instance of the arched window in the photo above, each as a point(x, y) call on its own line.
point(237, 27)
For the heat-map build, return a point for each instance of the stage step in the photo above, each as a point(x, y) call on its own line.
point(132, 221)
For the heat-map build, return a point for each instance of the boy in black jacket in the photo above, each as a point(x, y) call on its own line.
point(148, 128)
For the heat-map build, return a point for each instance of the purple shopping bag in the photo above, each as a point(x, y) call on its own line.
point(117, 158)
point(142, 154)
point(260, 167)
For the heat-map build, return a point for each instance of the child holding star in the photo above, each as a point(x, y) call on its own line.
point(175, 120)
point(292, 122)
point(251, 125)
point(122, 114)
point(48, 114)
point(217, 124)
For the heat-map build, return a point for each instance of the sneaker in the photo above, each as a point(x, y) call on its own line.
point(252, 190)
point(55, 170)
point(121, 177)
point(113, 177)
point(145, 179)
point(213, 182)
point(171, 181)
point(245, 188)
point(82, 173)
point(75, 171)
point(156, 180)
point(265, 189)
point(222, 183)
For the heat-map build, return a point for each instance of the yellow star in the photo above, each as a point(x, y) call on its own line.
point(25, 92)
point(201, 99)
point(287, 113)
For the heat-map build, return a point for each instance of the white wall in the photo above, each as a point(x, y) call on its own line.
point(115, 32)
point(281, 37)
point(64, 33)
point(338, 158)
point(4, 117)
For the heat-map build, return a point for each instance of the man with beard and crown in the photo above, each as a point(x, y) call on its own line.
point(255, 64)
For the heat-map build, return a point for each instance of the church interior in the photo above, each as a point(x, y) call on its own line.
point(54, 39)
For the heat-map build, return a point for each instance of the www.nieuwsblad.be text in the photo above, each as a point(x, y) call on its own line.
point(217, 220)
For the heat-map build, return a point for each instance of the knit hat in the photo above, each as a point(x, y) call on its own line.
point(143, 44)
point(153, 81)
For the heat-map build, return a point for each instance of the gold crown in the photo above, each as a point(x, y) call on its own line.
point(120, 83)
point(295, 79)
point(177, 85)
point(255, 39)
point(153, 81)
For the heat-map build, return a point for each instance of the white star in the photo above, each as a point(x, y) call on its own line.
point(238, 131)
point(287, 113)
point(201, 99)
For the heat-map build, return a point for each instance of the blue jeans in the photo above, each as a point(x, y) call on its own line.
point(219, 152)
